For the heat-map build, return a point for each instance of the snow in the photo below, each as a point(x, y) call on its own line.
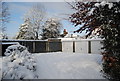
point(97, 4)
point(10, 43)
point(91, 11)
point(67, 39)
point(16, 40)
point(12, 48)
point(72, 36)
point(103, 3)
point(61, 66)
point(68, 66)
point(2, 35)
point(26, 30)
point(74, 39)
point(20, 64)
point(51, 28)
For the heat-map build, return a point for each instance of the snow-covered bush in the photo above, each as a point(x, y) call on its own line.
point(18, 63)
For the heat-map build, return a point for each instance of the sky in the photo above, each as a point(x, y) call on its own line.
point(53, 10)
point(55, 0)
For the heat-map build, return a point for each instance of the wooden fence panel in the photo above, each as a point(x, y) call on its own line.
point(40, 46)
point(54, 46)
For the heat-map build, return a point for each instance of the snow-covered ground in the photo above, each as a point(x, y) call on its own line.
point(68, 66)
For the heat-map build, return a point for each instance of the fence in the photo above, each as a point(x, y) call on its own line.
point(36, 46)
point(55, 45)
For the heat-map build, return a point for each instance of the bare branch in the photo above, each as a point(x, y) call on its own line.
point(72, 6)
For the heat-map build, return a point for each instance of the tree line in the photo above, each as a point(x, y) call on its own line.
point(35, 25)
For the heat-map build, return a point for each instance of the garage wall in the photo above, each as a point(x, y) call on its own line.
point(81, 46)
point(67, 46)
point(96, 47)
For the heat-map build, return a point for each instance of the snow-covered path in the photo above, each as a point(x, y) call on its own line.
point(68, 66)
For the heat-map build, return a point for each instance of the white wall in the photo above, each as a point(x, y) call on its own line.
point(67, 46)
point(81, 47)
point(96, 47)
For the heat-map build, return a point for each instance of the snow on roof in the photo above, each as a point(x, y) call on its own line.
point(71, 36)
point(74, 39)
point(90, 40)
point(67, 39)
point(10, 43)
point(19, 40)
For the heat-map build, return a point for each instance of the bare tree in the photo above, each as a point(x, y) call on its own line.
point(36, 15)
point(4, 16)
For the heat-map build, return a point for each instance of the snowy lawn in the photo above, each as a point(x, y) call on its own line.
point(68, 66)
